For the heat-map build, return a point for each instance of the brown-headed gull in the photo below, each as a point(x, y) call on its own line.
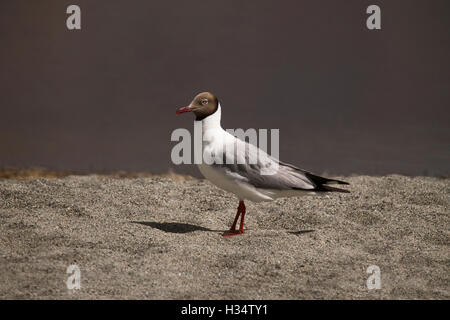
point(245, 170)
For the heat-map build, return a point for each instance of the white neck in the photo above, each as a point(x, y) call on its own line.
point(212, 121)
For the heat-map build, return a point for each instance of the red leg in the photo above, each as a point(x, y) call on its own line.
point(232, 231)
point(233, 227)
point(241, 228)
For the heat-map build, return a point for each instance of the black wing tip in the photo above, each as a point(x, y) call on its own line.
point(318, 180)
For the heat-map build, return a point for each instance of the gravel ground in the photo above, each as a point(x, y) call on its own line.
point(156, 238)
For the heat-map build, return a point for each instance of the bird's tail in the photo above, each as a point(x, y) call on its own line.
point(322, 180)
point(322, 183)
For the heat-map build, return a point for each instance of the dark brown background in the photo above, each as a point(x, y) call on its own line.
point(346, 99)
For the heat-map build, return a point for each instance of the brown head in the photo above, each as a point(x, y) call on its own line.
point(203, 105)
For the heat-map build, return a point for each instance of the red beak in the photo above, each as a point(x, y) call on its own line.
point(184, 109)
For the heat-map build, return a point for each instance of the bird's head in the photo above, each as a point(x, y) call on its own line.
point(203, 105)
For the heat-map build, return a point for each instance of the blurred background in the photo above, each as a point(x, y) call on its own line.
point(347, 100)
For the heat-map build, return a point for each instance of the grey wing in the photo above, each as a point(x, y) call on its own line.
point(257, 168)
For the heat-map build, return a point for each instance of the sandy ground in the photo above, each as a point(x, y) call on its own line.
point(156, 238)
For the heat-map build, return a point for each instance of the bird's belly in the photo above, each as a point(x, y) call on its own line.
point(242, 191)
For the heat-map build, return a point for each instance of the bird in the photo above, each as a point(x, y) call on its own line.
point(230, 168)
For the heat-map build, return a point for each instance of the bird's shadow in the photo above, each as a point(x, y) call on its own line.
point(177, 227)
point(300, 232)
point(174, 227)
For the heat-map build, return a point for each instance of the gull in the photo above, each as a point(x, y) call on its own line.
point(245, 170)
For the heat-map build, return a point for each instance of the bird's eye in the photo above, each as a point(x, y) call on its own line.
point(204, 101)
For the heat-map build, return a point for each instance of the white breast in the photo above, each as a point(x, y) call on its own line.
point(214, 139)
